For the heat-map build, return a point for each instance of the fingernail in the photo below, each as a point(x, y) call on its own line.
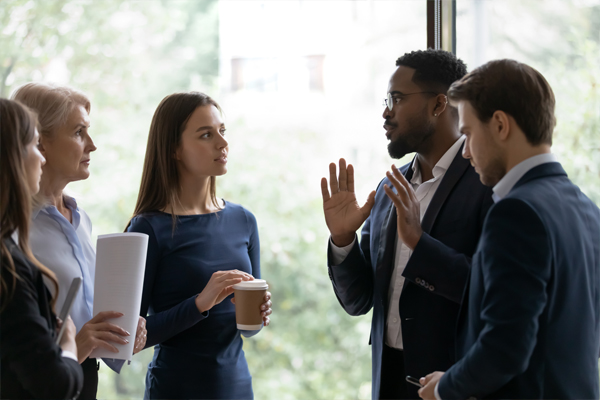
point(128, 334)
point(126, 341)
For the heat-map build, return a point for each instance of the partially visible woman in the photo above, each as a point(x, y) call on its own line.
point(61, 231)
point(32, 364)
point(199, 246)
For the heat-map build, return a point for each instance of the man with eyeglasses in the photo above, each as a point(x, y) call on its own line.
point(421, 227)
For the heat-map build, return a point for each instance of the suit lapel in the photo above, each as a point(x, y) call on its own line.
point(453, 174)
point(387, 244)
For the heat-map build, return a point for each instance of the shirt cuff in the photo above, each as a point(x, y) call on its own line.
point(436, 393)
point(339, 254)
point(70, 354)
point(114, 364)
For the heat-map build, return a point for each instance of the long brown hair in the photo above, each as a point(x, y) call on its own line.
point(160, 178)
point(17, 130)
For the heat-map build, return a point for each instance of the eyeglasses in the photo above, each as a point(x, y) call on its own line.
point(391, 100)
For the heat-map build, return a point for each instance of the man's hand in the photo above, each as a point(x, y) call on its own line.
point(407, 208)
point(343, 215)
point(427, 392)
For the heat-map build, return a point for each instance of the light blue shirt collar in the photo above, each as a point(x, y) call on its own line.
point(505, 185)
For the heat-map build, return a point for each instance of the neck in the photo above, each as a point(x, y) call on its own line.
point(194, 196)
point(439, 145)
point(52, 187)
point(522, 152)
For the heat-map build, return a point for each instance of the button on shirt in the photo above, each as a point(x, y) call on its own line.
point(424, 192)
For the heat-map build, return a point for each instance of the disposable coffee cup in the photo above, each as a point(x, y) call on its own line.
point(249, 296)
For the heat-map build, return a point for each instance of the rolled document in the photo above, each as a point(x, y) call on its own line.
point(120, 266)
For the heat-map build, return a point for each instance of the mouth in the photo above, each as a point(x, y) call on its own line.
point(388, 130)
point(222, 159)
point(86, 161)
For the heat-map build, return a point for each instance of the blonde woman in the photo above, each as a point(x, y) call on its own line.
point(32, 364)
point(61, 231)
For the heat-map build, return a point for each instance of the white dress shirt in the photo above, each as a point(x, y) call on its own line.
point(424, 192)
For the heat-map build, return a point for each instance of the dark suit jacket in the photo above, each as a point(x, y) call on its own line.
point(31, 364)
point(529, 326)
point(435, 275)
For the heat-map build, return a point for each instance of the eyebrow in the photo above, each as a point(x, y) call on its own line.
point(208, 127)
point(397, 92)
point(82, 125)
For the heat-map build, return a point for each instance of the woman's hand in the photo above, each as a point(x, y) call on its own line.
point(265, 309)
point(99, 333)
point(218, 287)
point(67, 341)
point(140, 335)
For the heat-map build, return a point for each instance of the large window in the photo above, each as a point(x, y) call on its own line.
point(301, 84)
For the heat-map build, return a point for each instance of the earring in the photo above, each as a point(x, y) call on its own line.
point(435, 115)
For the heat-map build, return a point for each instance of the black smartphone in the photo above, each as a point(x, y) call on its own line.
point(414, 381)
point(67, 305)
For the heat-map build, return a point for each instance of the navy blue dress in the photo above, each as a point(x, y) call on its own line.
point(196, 355)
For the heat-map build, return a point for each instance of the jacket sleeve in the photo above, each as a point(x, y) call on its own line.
point(28, 345)
point(514, 269)
point(165, 324)
point(353, 279)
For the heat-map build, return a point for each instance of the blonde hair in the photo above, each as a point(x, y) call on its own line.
point(52, 103)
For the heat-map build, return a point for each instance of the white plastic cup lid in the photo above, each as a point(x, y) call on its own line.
point(257, 284)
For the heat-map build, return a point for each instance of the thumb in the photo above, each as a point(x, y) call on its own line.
point(366, 209)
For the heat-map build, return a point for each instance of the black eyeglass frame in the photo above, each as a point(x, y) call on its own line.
point(389, 102)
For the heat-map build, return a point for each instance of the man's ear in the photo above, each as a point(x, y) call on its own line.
point(500, 124)
point(441, 104)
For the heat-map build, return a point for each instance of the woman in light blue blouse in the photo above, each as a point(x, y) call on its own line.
point(60, 234)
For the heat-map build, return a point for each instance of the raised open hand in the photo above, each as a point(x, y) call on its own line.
point(407, 208)
point(343, 214)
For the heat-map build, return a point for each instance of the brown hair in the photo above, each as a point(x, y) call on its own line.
point(160, 179)
point(512, 87)
point(17, 130)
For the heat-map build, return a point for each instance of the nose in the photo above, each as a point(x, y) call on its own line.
point(386, 112)
point(41, 157)
point(466, 152)
point(221, 144)
point(90, 146)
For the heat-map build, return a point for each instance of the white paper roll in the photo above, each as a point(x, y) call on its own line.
point(120, 266)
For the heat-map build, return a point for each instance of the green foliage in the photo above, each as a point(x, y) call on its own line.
point(127, 55)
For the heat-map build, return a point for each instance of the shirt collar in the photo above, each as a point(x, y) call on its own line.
point(441, 166)
point(508, 181)
point(70, 202)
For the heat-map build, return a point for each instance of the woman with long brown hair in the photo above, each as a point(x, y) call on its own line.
point(199, 247)
point(32, 364)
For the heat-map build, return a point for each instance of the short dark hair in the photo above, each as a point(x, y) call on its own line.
point(434, 69)
point(512, 87)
